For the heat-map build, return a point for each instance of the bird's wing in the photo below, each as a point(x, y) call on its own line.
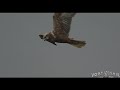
point(62, 22)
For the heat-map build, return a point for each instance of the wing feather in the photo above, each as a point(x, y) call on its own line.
point(62, 22)
point(66, 21)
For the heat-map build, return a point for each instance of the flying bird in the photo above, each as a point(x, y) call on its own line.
point(61, 29)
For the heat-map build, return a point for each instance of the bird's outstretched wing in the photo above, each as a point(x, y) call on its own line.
point(62, 22)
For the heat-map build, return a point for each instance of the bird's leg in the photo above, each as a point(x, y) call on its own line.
point(53, 43)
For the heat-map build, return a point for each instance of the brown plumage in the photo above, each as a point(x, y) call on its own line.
point(61, 29)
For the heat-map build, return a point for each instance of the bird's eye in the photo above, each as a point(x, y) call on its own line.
point(46, 37)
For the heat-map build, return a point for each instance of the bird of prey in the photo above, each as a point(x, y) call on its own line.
point(61, 29)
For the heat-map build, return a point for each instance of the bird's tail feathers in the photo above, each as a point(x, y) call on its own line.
point(78, 44)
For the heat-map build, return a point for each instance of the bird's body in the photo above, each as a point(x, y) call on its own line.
point(61, 28)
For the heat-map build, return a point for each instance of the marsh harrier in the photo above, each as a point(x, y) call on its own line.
point(61, 29)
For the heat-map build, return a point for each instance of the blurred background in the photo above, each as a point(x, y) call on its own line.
point(24, 54)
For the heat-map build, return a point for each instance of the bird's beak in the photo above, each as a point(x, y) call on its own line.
point(41, 36)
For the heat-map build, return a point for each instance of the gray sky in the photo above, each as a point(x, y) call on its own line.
point(24, 54)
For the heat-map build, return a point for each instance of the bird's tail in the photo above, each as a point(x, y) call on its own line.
point(78, 44)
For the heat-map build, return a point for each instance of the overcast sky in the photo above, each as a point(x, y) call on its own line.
point(24, 54)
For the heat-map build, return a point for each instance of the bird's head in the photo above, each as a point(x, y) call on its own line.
point(47, 37)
